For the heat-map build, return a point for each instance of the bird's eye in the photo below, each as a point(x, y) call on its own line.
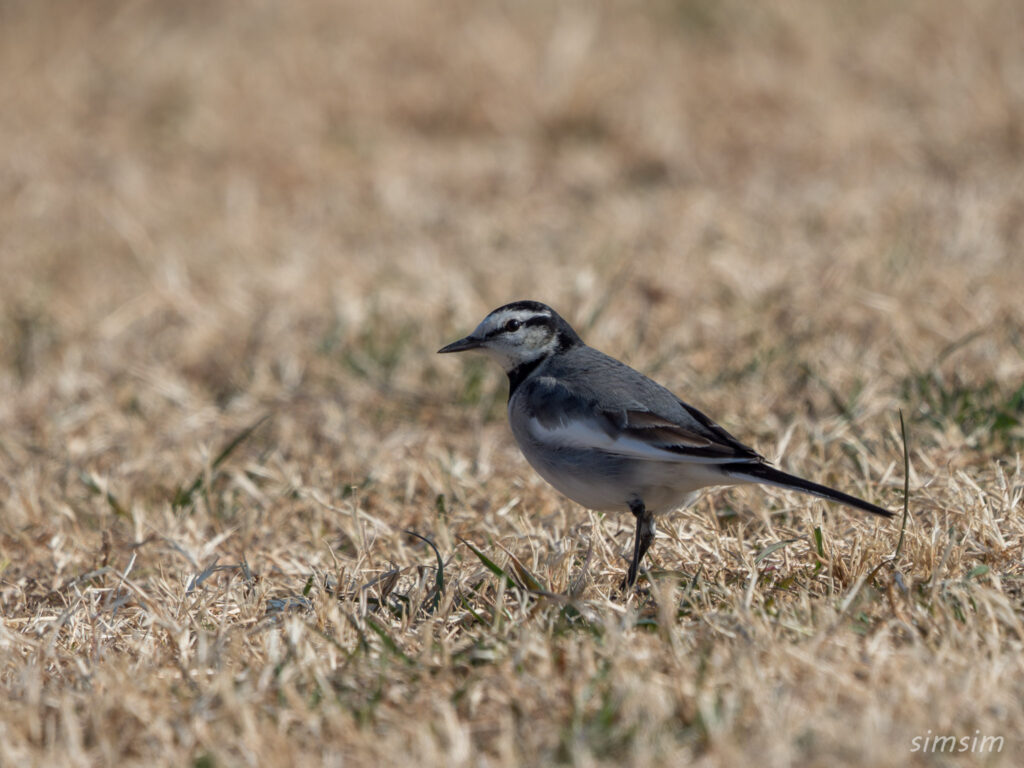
point(512, 326)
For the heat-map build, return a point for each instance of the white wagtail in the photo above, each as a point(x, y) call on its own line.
point(607, 436)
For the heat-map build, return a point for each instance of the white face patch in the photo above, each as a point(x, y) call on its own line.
point(511, 340)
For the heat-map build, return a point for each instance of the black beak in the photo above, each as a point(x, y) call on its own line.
point(462, 345)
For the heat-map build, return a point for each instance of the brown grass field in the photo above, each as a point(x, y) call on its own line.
point(232, 237)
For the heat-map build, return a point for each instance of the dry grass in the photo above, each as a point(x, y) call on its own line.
point(801, 216)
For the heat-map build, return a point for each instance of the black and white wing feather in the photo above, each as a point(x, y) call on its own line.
point(630, 415)
point(569, 416)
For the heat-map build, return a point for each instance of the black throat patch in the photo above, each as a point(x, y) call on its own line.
point(521, 372)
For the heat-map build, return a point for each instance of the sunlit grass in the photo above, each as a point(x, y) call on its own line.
point(249, 517)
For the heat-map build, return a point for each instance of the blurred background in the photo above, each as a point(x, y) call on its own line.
point(206, 206)
point(163, 161)
point(800, 215)
point(783, 210)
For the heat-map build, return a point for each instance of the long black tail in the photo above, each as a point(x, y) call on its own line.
point(763, 473)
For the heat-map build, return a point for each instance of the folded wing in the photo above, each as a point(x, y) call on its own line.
point(561, 416)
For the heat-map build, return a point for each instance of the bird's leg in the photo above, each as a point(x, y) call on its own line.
point(641, 540)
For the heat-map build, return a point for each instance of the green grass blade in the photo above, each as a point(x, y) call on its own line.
point(906, 486)
point(388, 641)
point(439, 581)
point(772, 548)
point(183, 496)
point(526, 578)
point(493, 567)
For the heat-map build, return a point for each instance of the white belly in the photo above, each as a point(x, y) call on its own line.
point(604, 481)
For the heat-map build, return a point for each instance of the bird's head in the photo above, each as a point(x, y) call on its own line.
point(518, 333)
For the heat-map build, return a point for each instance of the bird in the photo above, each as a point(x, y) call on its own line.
point(608, 437)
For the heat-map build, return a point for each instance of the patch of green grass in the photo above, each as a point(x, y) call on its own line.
point(987, 412)
point(185, 494)
point(375, 349)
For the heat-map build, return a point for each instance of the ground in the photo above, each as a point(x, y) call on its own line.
point(249, 517)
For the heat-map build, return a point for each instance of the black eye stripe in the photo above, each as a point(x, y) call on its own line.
point(519, 323)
